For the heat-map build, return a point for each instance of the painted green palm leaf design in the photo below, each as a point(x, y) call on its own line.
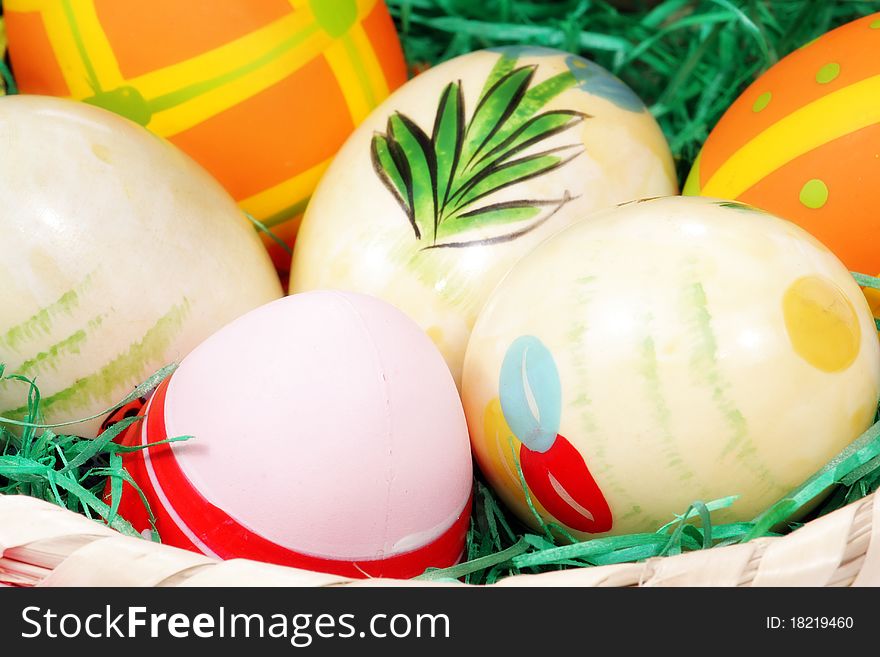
point(443, 181)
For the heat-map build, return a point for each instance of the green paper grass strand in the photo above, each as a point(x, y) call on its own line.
point(263, 228)
point(69, 470)
point(31, 423)
point(479, 563)
point(862, 451)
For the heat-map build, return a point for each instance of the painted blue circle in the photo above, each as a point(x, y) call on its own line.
point(594, 79)
point(517, 51)
point(531, 393)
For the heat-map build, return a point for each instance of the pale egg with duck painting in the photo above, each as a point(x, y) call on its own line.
point(665, 352)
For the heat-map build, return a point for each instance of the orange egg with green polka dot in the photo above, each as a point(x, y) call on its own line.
point(803, 142)
point(262, 93)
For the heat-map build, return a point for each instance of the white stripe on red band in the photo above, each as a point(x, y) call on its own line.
point(160, 493)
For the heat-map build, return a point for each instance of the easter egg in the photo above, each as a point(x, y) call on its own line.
point(466, 168)
point(803, 142)
point(118, 254)
point(328, 435)
point(262, 93)
point(665, 352)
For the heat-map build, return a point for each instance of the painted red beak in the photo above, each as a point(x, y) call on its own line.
point(562, 482)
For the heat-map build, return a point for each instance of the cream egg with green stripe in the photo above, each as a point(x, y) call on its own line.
point(118, 255)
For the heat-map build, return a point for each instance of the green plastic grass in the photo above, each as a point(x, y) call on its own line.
point(687, 59)
point(72, 472)
point(66, 469)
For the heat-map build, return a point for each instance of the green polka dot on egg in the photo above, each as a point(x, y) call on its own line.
point(828, 73)
point(875, 25)
point(814, 194)
point(335, 16)
point(762, 101)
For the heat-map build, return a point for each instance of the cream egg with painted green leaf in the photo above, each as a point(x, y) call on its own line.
point(465, 169)
point(118, 255)
point(665, 352)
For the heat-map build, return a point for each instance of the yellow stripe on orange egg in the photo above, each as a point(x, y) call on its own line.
point(358, 70)
point(96, 44)
point(25, 5)
point(359, 100)
point(228, 57)
point(73, 68)
point(825, 191)
point(361, 48)
point(364, 7)
point(385, 46)
point(288, 193)
point(285, 45)
point(809, 127)
point(288, 52)
point(792, 83)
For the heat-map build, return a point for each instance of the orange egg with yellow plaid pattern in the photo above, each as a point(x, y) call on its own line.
point(262, 93)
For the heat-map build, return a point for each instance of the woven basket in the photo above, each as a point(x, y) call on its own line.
point(45, 545)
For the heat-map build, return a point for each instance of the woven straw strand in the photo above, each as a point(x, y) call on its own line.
point(45, 545)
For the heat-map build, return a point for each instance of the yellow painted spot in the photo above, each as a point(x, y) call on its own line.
point(762, 101)
point(822, 324)
point(436, 335)
point(502, 449)
point(814, 194)
point(101, 152)
point(828, 73)
point(863, 418)
point(875, 25)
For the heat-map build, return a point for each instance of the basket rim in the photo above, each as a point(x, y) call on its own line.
point(45, 545)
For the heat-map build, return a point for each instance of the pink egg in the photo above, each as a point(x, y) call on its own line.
point(328, 435)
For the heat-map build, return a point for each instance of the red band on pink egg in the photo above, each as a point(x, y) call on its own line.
point(208, 529)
